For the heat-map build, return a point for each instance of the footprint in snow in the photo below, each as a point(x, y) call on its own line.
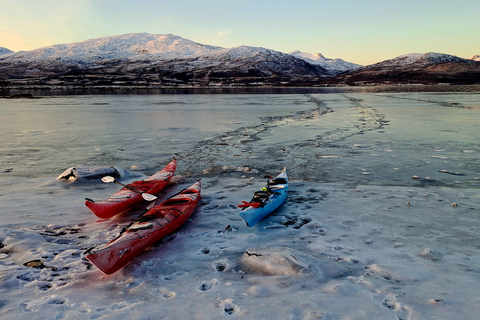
point(228, 307)
point(167, 294)
point(220, 265)
point(207, 285)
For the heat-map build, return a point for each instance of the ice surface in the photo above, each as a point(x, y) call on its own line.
point(358, 238)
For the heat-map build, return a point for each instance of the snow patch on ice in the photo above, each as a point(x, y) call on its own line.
point(273, 261)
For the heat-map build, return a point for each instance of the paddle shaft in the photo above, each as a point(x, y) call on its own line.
point(128, 187)
point(146, 196)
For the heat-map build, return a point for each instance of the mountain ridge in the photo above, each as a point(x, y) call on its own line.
point(4, 51)
point(121, 46)
point(475, 57)
point(167, 59)
point(415, 68)
point(151, 59)
point(329, 64)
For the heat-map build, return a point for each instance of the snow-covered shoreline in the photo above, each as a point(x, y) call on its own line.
point(56, 90)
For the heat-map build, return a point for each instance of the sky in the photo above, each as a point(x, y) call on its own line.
point(359, 31)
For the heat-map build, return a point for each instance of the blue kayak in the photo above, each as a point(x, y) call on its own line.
point(265, 201)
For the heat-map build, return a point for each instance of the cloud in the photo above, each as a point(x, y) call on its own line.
point(224, 33)
point(214, 38)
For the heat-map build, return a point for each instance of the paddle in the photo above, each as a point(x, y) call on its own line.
point(268, 178)
point(176, 194)
point(124, 229)
point(146, 196)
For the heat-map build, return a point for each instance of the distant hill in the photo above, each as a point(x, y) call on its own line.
point(417, 68)
point(5, 51)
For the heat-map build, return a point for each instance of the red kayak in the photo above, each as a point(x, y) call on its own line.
point(152, 226)
point(132, 194)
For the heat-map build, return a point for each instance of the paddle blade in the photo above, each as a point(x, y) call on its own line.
point(108, 179)
point(150, 206)
point(249, 204)
point(149, 197)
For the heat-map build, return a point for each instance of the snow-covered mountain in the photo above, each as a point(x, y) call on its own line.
point(5, 51)
point(245, 59)
point(133, 46)
point(425, 68)
point(417, 60)
point(475, 57)
point(113, 51)
point(145, 46)
point(140, 55)
point(333, 65)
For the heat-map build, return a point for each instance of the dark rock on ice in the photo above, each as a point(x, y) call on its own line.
point(89, 173)
point(35, 264)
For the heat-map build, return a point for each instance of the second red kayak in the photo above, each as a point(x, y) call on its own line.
point(152, 226)
point(131, 195)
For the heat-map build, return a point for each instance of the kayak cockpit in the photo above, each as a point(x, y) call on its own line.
point(139, 226)
point(278, 181)
point(173, 202)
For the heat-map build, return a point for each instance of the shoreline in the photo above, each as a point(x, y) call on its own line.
point(47, 90)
